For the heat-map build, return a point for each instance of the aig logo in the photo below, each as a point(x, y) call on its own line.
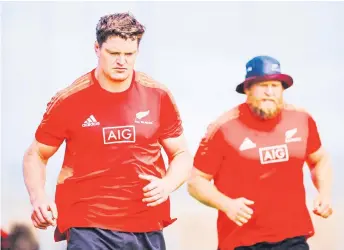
point(273, 154)
point(121, 134)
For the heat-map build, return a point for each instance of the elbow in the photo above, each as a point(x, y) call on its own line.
point(32, 155)
point(319, 160)
point(186, 160)
point(28, 153)
point(190, 189)
point(191, 185)
point(322, 165)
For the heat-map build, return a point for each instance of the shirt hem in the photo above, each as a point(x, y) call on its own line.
point(61, 232)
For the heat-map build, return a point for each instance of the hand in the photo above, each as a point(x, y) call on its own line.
point(238, 211)
point(157, 191)
point(44, 212)
point(322, 206)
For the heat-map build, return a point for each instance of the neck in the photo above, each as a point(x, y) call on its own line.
point(112, 85)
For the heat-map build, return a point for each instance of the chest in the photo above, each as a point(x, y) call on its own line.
point(108, 122)
point(285, 143)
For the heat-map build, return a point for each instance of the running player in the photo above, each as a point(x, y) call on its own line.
point(255, 154)
point(113, 189)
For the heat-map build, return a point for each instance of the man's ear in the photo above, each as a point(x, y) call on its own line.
point(97, 48)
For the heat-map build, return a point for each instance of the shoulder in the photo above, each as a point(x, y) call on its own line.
point(224, 119)
point(298, 111)
point(295, 109)
point(147, 81)
point(73, 89)
point(300, 114)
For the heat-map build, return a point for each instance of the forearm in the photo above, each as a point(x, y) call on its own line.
point(34, 170)
point(206, 193)
point(322, 176)
point(179, 170)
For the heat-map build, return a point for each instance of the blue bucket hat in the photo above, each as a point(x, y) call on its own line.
point(262, 68)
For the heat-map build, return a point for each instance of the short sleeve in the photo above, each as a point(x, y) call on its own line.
point(52, 129)
point(313, 141)
point(170, 121)
point(209, 155)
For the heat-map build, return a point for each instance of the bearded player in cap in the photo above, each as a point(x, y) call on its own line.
point(255, 154)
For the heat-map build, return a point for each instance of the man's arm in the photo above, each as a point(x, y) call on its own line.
point(318, 161)
point(201, 188)
point(34, 167)
point(180, 161)
point(50, 134)
point(207, 162)
point(180, 164)
point(321, 171)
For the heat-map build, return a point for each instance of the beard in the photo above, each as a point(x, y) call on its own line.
point(266, 108)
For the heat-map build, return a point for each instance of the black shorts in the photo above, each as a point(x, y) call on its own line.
point(101, 239)
point(296, 243)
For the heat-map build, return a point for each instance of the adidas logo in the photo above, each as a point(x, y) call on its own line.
point(247, 144)
point(90, 122)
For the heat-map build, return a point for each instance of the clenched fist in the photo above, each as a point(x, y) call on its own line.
point(238, 210)
point(44, 212)
point(322, 206)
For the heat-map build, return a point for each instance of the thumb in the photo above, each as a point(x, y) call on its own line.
point(52, 207)
point(248, 202)
point(316, 204)
point(147, 177)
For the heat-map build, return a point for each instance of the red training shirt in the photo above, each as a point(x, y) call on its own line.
point(110, 138)
point(261, 161)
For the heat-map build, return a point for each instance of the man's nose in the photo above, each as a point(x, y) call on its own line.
point(120, 59)
point(268, 90)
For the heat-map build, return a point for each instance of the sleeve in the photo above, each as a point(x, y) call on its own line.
point(170, 121)
point(209, 155)
point(313, 140)
point(52, 129)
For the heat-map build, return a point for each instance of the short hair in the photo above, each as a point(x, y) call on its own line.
point(123, 25)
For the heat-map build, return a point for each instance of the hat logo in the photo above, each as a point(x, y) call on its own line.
point(249, 69)
point(274, 67)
